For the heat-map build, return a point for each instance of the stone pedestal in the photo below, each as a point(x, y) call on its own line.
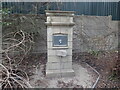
point(59, 43)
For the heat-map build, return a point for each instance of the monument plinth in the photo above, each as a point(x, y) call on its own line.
point(59, 43)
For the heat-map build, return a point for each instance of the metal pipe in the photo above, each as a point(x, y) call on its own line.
point(97, 77)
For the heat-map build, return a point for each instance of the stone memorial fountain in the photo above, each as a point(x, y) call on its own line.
point(59, 43)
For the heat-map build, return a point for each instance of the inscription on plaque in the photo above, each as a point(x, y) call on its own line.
point(60, 40)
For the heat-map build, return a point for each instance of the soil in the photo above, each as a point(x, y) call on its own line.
point(84, 78)
point(104, 62)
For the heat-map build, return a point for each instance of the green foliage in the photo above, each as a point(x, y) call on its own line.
point(95, 53)
point(5, 23)
point(5, 13)
point(113, 76)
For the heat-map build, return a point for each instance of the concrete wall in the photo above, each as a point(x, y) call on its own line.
point(95, 33)
point(90, 32)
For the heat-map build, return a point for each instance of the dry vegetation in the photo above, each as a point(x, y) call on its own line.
point(106, 63)
point(12, 76)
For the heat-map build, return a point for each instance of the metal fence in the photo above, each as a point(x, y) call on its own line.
point(86, 8)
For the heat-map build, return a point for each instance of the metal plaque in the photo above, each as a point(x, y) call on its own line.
point(60, 40)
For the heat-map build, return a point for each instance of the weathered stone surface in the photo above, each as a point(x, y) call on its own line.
point(53, 66)
point(61, 53)
point(58, 59)
point(58, 65)
point(56, 51)
point(59, 19)
point(66, 65)
point(59, 74)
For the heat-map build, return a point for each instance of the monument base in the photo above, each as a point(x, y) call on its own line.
point(59, 73)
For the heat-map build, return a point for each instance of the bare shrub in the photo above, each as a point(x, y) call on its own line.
point(19, 43)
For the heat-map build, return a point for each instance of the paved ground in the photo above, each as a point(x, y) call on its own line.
point(84, 77)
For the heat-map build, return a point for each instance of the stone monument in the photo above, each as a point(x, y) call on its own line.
point(59, 43)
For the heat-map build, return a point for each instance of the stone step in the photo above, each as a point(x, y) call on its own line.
point(60, 73)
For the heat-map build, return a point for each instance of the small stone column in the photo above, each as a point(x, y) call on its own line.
point(59, 43)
